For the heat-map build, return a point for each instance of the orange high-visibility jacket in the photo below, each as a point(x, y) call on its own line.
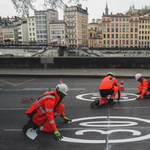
point(108, 83)
point(144, 84)
point(45, 106)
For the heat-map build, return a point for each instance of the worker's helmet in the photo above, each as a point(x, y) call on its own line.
point(110, 73)
point(138, 76)
point(63, 88)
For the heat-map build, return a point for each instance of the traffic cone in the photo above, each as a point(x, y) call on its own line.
point(60, 81)
point(122, 85)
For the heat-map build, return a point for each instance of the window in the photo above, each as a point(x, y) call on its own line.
point(116, 41)
point(127, 29)
point(112, 19)
point(104, 35)
point(112, 42)
point(104, 29)
point(108, 42)
point(131, 29)
point(116, 29)
point(107, 35)
point(108, 30)
point(116, 35)
point(127, 42)
point(104, 24)
point(112, 29)
point(131, 36)
point(136, 29)
point(112, 36)
point(116, 19)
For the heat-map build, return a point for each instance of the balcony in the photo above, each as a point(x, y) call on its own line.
point(70, 27)
point(71, 21)
point(70, 16)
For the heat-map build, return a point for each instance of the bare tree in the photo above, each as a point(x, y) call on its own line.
point(22, 6)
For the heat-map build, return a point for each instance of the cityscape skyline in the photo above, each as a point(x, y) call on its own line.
point(114, 6)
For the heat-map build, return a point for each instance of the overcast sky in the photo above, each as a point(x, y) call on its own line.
point(95, 7)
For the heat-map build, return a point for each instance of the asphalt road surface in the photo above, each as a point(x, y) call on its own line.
point(124, 125)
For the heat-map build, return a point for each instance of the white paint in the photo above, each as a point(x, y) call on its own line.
point(14, 108)
point(46, 89)
point(124, 97)
point(108, 124)
point(135, 133)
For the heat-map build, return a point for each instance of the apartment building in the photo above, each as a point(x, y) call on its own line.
point(23, 32)
point(8, 33)
point(120, 30)
point(57, 32)
point(77, 25)
point(94, 34)
point(43, 18)
point(31, 29)
point(144, 32)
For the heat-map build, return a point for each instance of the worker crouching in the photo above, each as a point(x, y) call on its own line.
point(108, 86)
point(144, 87)
point(43, 111)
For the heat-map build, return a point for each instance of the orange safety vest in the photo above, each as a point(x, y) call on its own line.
point(108, 83)
point(145, 85)
point(44, 107)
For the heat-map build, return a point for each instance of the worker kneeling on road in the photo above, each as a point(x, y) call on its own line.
point(43, 111)
point(108, 86)
point(144, 88)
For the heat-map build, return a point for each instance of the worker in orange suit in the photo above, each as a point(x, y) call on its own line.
point(144, 87)
point(108, 86)
point(43, 111)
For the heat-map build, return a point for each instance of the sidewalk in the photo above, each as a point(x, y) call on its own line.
point(80, 73)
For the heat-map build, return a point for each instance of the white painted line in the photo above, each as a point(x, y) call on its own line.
point(12, 130)
point(14, 108)
point(46, 89)
point(130, 107)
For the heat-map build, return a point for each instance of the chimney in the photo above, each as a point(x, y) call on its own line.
point(7, 18)
point(111, 13)
point(93, 20)
point(103, 13)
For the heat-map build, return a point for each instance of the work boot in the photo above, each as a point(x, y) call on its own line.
point(95, 103)
point(146, 96)
point(30, 124)
point(25, 128)
point(110, 101)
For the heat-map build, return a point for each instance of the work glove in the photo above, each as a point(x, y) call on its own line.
point(138, 98)
point(67, 120)
point(57, 134)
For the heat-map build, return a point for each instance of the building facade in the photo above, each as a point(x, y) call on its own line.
point(32, 37)
point(120, 30)
point(1, 34)
point(23, 32)
point(57, 32)
point(77, 25)
point(8, 34)
point(144, 32)
point(43, 18)
point(94, 34)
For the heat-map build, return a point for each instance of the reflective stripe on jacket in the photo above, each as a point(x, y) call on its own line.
point(45, 106)
point(108, 83)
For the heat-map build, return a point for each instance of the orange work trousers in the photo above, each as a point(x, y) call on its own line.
point(58, 111)
point(104, 99)
point(140, 87)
